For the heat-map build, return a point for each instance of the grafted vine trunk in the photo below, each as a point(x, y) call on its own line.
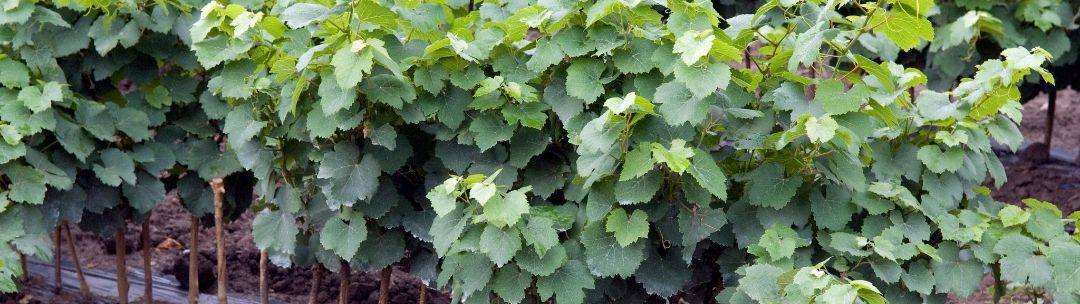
point(193, 262)
point(148, 280)
point(1051, 103)
point(384, 284)
point(264, 288)
point(345, 276)
point(121, 267)
point(56, 266)
point(316, 280)
point(423, 295)
point(217, 185)
point(84, 288)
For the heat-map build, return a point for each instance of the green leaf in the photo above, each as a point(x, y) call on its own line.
point(637, 162)
point(334, 98)
point(568, 284)
point(490, 130)
point(27, 184)
point(583, 79)
point(780, 242)
point(347, 179)
point(952, 274)
point(389, 90)
point(547, 53)
point(760, 283)
point(677, 158)
point(678, 104)
point(115, 167)
point(505, 211)
point(940, 161)
point(834, 100)
point(275, 230)
point(838, 294)
point(500, 245)
point(769, 188)
point(1012, 215)
point(510, 284)
point(905, 30)
point(350, 64)
point(31, 99)
point(821, 130)
point(703, 79)
point(301, 14)
point(692, 45)
point(636, 57)
point(16, 75)
point(540, 234)
point(606, 257)
point(344, 238)
point(628, 230)
point(1064, 256)
point(146, 194)
point(707, 174)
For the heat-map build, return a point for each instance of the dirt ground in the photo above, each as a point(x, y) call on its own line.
point(1066, 118)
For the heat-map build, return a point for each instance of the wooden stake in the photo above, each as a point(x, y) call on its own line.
point(423, 295)
point(83, 287)
point(264, 287)
point(343, 282)
point(1051, 100)
point(316, 281)
point(217, 185)
point(121, 268)
point(193, 262)
point(59, 254)
point(148, 281)
point(384, 285)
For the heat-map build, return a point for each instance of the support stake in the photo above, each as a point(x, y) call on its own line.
point(217, 185)
point(1051, 100)
point(343, 281)
point(25, 271)
point(59, 254)
point(148, 280)
point(316, 281)
point(121, 268)
point(264, 287)
point(384, 284)
point(84, 288)
point(423, 295)
point(193, 262)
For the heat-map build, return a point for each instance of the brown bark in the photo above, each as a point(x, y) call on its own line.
point(148, 280)
point(59, 254)
point(384, 284)
point(121, 268)
point(1051, 103)
point(193, 262)
point(343, 281)
point(423, 295)
point(83, 287)
point(264, 288)
point(217, 185)
point(316, 281)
